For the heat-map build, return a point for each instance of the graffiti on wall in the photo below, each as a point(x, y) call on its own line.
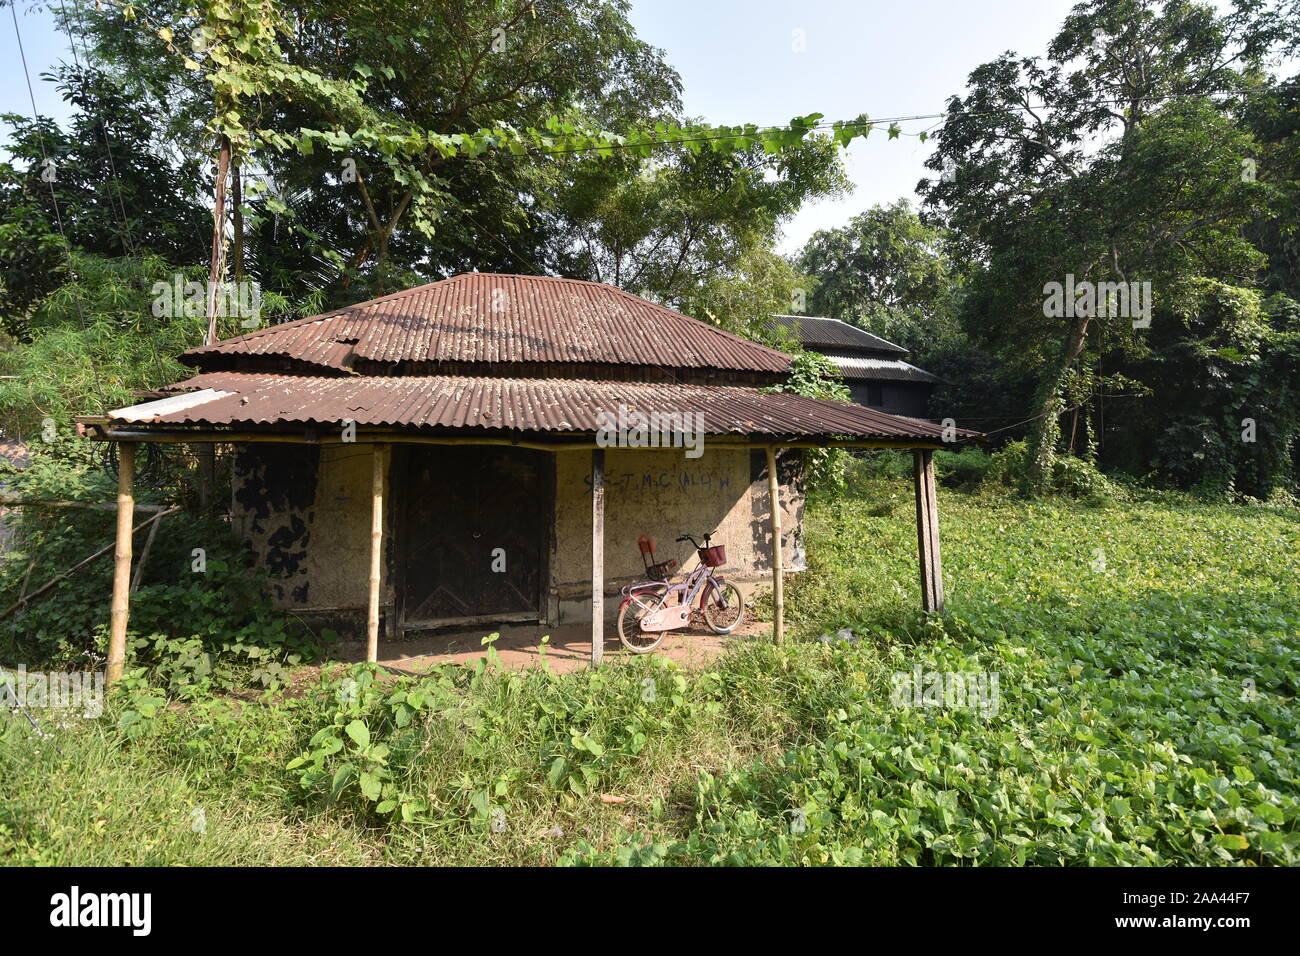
point(686, 481)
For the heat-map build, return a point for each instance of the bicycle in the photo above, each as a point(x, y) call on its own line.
point(651, 609)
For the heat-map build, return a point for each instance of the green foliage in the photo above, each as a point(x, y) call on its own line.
point(191, 630)
point(889, 273)
point(121, 192)
point(468, 133)
point(92, 343)
point(1146, 657)
point(743, 298)
point(1070, 476)
point(965, 468)
point(1028, 188)
point(813, 375)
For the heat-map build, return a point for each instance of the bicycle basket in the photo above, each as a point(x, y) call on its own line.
point(714, 557)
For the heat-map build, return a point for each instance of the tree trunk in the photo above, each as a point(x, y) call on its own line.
point(1047, 428)
point(218, 236)
point(237, 212)
point(205, 452)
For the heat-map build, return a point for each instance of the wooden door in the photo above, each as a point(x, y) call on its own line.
point(472, 530)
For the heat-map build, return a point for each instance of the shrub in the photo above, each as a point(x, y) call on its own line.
point(213, 625)
point(962, 469)
point(1072, 477)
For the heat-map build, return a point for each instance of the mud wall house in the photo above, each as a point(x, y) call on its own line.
point(448, 454)
point(873, 368)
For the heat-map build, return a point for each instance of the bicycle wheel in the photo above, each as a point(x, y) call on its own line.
point(724, 607)
point(629, 620)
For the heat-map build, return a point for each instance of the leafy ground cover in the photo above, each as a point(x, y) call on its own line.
point(1145, 655)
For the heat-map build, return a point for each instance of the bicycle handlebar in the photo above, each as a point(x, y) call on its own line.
point(687, 537)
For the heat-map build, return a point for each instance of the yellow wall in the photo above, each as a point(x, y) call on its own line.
point(662, 493)
point(314, 531)
point(310, 524)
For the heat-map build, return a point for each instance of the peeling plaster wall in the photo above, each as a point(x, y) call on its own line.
point(662, 493)
point(304, 510)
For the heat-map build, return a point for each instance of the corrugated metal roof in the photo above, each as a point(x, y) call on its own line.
point(860, 368)
point(508, 404)
point(816, 330)
point(490, 318)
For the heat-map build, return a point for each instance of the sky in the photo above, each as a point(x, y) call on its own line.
point(739, 63)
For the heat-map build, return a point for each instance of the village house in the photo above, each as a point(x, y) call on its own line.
point(490, 447)
point(873, 368)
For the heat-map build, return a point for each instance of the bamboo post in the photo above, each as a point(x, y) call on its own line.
point(927, 531)
point(122, 561)
point(778, 582)
point(597, 555)
point(378, 456)
point(144, 552)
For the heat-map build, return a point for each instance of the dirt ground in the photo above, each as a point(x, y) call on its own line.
point(520, 645)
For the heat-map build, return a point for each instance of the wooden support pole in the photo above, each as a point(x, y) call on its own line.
point(379, 457)
point(778, 581)
point(927, 531)
point(122, 561)
point(597, 555)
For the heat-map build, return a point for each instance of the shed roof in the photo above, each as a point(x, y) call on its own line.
point(493, 319)
point(813, 330)
point(496, 404)
point(870, 369)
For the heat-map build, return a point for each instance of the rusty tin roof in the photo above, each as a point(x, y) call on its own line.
point(493, 404)
point(494, 319)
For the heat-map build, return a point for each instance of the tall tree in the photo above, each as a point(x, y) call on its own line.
point(1108, 161)
point(887, 272)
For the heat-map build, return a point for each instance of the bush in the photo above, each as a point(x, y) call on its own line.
point(1071, 477)
point(962, 469)
point(207, 624)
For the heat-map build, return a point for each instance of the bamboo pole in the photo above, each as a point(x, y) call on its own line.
point(597, 555)
point(406, 438)
point(87, 505)
point(144, 553)
point(122, 556)
point(778, 582)
point(927, 532)
point(378, 455)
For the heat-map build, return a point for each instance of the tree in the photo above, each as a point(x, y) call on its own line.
point(118, 189)
point(417, 140)
point(670, 226)
point(887, 272)
point(1107, 162)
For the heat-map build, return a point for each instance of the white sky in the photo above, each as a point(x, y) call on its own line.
point(883, 57)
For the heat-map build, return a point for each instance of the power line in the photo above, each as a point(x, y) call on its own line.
point(891, 120)
point(119, 211)
point(45, 159)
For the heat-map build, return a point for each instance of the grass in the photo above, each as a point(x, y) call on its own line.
point(1145, 652)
